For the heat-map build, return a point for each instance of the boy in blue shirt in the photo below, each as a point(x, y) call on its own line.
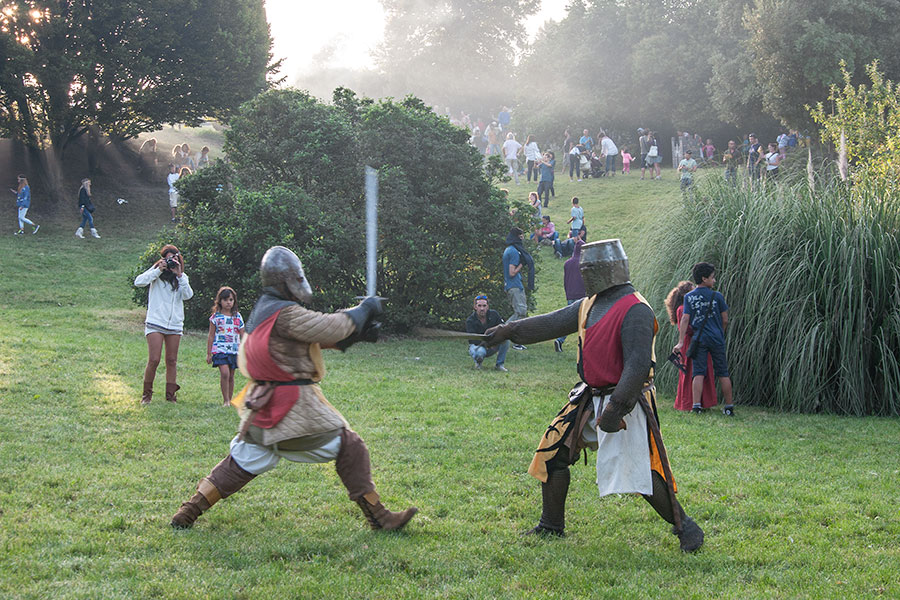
point(700, 305)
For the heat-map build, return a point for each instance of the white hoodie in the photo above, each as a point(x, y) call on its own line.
point(165, 307)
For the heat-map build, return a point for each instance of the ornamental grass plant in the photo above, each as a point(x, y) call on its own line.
point(811, 279)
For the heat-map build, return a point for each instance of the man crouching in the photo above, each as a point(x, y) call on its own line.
point(283, 411)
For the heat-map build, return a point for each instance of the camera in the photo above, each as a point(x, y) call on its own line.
point(172, 263)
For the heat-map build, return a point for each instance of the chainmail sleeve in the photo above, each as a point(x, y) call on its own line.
point(545, 327)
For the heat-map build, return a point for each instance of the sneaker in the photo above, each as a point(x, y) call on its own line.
point(478, 363)
point(501, 368)
point(696, 410)
point(19, 232)
point(518, 347)
point(728, 411)
point(579, 179)
point(557, 345)
point(558, 254)
point(36, 227)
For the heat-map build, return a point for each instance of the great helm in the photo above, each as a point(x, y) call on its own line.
point(281, 269)
point(603, 265)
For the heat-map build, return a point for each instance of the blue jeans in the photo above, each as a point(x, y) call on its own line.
point(610, 165)
point(87, 219)
point(476, 352)
point(563, 338)
point(565, 247)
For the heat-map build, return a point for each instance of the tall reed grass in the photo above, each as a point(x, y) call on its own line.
point(812, 280)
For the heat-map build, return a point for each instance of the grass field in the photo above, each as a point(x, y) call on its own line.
point(793, 506)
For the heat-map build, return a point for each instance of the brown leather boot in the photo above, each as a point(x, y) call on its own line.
point(171, 388)
point(226, 478)
point(189, 511)
point(147, 395)
point(381, 518)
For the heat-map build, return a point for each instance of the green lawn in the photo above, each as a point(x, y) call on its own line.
point(793, 506)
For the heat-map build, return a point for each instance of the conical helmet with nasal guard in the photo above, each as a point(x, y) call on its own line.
point(282, 270)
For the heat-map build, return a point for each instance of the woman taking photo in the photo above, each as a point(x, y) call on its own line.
point(169, 288)
point(87, 210)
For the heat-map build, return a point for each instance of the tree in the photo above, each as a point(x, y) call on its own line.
point(121, 68)
point(442, 225)
point(459, 52)
point(796, 47)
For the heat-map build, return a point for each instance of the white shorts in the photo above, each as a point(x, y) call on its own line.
point(173, 198)
point(257, 459)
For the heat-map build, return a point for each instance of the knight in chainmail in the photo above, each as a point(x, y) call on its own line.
point(283, 411)
point(613, 409)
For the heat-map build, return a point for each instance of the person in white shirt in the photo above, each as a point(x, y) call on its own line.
point(171, 178)
point(575, 161)
point(532, 157)
point(609, 149)
point(164, 324)
point(511, 150)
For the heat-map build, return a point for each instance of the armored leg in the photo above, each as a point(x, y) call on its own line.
point(553, 497)
point(225, 479)
point(355, 471)
point(690, 536)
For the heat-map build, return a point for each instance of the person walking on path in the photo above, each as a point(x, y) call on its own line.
point(23, 203)
point(86, 206)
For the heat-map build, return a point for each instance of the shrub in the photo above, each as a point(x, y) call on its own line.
point(441, 223)
point(813, 288)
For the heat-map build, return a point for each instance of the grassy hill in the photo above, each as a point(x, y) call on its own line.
point(793, 506)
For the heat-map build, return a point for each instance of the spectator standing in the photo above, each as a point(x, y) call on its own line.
point(733, 160)
point(586, 141)
point(86, 206)
point(226, 327)
point(514, 258)
point(576, 218)
point(575, 162)
point(545, 186)
point(203, 158)
point(188, 160)
point(609, 150)
point(686, 167)
point(532, 157)
point(773, 161)
point(177, 156)
point(684, 399)
point(654, 157)
point(709, 151)
point(782, 142)
point(754, 152)
point(644, 142)
point(23, 203)
point(504, 117)
point(483, 318)
point(573, 284)
point(706, 312)
point(169, 288)
point(626, 162)
point(511, 150)
point(171, 178)
point(493, 139)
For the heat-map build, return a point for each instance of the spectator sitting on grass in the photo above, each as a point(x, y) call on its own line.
point(481, 319)
point(545, 234)
point(567, 246)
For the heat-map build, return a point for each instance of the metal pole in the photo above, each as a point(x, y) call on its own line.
point(371, 228)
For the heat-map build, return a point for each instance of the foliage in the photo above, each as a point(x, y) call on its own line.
point(869, 120)
point(296, 179)
point(812, 286)
point(471, 43)
point(125, 67)
point(89, 479)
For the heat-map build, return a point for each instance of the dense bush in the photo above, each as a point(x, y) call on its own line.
point(295, 177)
point(813, 286)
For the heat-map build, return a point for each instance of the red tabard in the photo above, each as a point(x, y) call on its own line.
point(262, 367)
point(601, 350)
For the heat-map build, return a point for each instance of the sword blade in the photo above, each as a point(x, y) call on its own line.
point(371, 228)
point(445, 333)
